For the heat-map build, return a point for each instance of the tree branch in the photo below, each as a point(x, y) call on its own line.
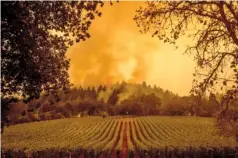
point(220, 78)
point(227, 24)
point(213, 71)
point(229, 6)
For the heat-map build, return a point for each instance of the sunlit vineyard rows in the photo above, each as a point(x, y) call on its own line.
point(127, 135)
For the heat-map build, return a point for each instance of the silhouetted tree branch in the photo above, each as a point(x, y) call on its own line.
point(215, 36)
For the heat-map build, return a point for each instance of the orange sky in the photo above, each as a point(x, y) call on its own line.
point(117, 51)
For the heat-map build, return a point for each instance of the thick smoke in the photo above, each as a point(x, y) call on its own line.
point(117, 52)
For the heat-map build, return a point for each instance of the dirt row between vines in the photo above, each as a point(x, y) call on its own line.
point(127, 122)
point(124, 152)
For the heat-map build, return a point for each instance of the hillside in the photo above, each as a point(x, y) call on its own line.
point(117, 99)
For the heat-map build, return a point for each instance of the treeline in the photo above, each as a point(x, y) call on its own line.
point(118, 99)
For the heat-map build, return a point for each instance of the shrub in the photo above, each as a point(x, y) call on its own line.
point(60, 116)
point(48, 116)
point(69, 108)
point(46, 108)
point(33, 117)
point(84, 113)
point(53, 114)
point(42, 117)
point(63, 111)
point(17, 110)
point(25, 119)
point(104, 114)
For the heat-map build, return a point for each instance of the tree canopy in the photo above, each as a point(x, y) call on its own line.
point(34, 40)
point(214, 28)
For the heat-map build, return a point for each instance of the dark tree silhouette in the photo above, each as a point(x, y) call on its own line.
point(100, 88)
point(113, 98)
point(34, 40)
point(215, 49)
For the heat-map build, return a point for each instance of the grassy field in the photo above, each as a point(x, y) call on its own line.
point(116, 133)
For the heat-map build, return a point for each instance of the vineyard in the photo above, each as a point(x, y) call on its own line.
point(117, 137)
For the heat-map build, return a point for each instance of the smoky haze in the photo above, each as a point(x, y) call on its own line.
point(117, 52)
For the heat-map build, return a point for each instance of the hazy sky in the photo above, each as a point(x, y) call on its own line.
point(117, 51)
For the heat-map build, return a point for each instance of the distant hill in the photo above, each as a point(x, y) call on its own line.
point(117, 99)
point(129, 89)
